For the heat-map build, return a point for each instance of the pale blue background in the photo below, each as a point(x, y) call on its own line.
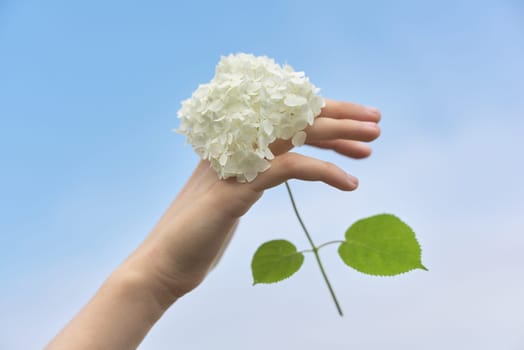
point(88, 97)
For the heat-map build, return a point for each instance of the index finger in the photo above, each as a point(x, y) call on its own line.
point(347, 110)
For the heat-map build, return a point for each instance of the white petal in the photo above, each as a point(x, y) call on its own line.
point(299, 139)
point(223, 159)
point(250, 175)
point(268, 154)
point(216, 105)
point(293, 100)
point(267, 126)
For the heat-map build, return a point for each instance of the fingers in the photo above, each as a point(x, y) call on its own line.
point(349, 148)
point(346, 129)
point(296, 166)
point(326, 131)
point(348, 110)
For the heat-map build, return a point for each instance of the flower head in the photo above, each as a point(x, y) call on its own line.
point(250, 102)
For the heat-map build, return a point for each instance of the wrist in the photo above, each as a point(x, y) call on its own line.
point(137, 277)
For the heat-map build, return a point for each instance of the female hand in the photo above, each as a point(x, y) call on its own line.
point(195, 228)
point(191, 235)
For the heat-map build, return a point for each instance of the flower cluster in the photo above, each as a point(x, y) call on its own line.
point(250, 102)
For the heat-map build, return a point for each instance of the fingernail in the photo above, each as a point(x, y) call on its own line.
point(352, 181)
point(373, 111)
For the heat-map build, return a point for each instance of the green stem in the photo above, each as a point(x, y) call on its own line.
point(328, 243)
point(320, 246)
point(315, 249)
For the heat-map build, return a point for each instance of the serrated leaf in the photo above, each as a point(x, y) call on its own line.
point(274, 261)
point(381, 245)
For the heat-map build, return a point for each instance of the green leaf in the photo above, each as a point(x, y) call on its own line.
point(274, 261)
point(381, 245)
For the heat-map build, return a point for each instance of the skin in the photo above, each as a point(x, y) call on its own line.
point(192, 234)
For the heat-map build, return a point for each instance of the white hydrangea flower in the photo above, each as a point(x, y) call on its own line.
point(250, 102)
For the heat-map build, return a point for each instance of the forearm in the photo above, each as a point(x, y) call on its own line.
point(145, 285)
point(121, 313)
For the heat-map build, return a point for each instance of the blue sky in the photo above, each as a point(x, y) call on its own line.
point(88, 97)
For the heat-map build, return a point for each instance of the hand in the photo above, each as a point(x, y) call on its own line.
point(193, 232)
point(191, 235)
